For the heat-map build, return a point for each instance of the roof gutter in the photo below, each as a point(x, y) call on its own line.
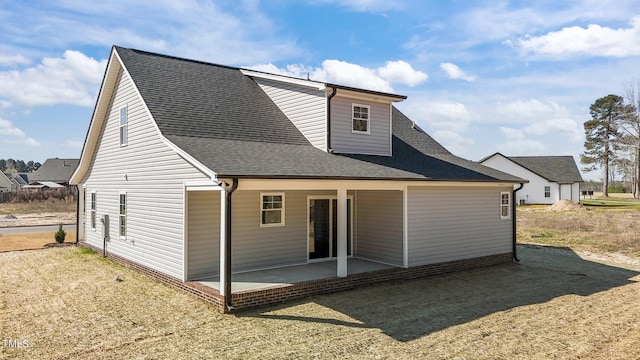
point(334, 90)
point(513, 218)
point(227, 247)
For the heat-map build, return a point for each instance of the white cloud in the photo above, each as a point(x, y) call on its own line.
point(569, 128)
point(439, 115)
point(8, 60)
point(530, 110)
point(402, 73)
point(368, 5)
point(345, 73)
point(31, 142)
point(454, 72)
point(541, 118)
point(517, 144)
point(13, 135)
point(594, 40)
point(72, 79)
point(7, 128)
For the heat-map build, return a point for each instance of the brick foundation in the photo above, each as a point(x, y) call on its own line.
point(256, 298)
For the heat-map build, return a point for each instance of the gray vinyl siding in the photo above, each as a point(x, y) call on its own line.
point(448, 224)
point(304, 106)
point(343, 140)
point(256, 247)
point(379, 226)
point(203, 234)
point(155, 175)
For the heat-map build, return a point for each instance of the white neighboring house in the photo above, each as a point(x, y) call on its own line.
point(551, 178)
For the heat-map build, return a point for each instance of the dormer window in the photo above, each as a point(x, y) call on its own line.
point(123, 126)
point(360, 119)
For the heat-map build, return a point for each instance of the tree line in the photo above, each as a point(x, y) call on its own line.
point(11, 165)
point(613, 138)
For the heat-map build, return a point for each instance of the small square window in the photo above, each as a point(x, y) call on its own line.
point(360, 119)
point(272, 210)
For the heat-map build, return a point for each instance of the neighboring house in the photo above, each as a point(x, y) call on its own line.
point(201, 175)
point(6, 183)
point(551, 178)
point(21, 179)
point(54, 170)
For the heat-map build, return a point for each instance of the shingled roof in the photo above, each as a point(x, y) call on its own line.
point(55, 170)
point(225, 121)
point(560, 169)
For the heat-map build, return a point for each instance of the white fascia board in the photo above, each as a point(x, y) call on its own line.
point(285, 79)
point(99, 116)
point(357, 95)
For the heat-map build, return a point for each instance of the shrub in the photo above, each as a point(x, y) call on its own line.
point(60, 234)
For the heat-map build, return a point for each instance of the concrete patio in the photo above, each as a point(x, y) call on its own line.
point(289, 275)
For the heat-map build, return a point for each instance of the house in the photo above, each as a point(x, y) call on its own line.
point(551, 178)
point(54, 171)
point(246, 188)
point(7, 184)
point(21, 179)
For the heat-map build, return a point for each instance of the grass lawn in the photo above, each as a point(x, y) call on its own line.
point(37, 207)
point(27, 241)
point(558, 302)
point(66, 304)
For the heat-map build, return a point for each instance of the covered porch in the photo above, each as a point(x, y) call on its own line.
point(287, 232)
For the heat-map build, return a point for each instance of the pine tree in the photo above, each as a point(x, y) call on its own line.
point(602, 135)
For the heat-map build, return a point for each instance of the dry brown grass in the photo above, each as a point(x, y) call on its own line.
point(51, 206)
point(593, 229)
point(29, 241)
point(553, 304)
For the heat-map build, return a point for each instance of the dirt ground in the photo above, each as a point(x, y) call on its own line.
point(64, 303)
point(39, 218)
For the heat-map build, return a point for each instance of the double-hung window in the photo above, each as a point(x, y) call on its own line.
point(123, 126)
point(505, 205)
point(271, 209)
point(547, 191)
point(93, 210)
point(122, 223)
point(360, 124)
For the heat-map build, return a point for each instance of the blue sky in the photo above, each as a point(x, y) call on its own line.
point(480, 76)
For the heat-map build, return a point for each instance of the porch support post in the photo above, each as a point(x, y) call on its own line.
point(223, 236)
point(405, 227)
point(342, 233)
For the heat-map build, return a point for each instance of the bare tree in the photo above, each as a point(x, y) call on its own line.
point(630, 128)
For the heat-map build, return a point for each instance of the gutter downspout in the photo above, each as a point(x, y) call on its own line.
point(513, 217)
point(333, 93)
point(77, 215)
point(227, 255)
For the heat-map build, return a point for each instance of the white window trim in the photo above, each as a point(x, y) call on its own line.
point(282, 210)
point(125, 126)
point(93, 210)
point(353, 105)
point(126, 211)
point(507, 205)
point(547, 192)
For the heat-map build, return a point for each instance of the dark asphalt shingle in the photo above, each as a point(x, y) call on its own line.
point(560, 169)
point(228, 123)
